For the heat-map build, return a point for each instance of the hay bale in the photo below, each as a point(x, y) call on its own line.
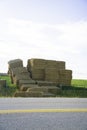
point(15, 63)
point(55, 64)
point(54, 90)
point(28, 94)
point(37, 74)
point(36, 63)
point(24, 87)
point(39, 89)
point(65, 77)
point(51, 74)
point(51, 89)
point(46, 89)
point(61, 65)
point(34, 94)
point(21, 82)
point(19, 94)
point(24, 76)
point(51, 64)
point(18, 70)
point(46, 83)
point(65, 74)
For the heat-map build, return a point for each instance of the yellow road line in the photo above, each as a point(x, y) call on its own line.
point(42, 110)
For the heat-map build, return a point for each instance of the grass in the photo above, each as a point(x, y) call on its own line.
point(79, 83)
point(8, 80)
point(10, 88)
point(78, 88)
point(73, 93)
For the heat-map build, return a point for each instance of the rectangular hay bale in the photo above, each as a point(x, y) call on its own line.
point(51, 64)
point(24, 76)
point(39, 89)
point(21, 82)
point(24, 87)
point(28, 94)
point(46, 83)
point(65, 77)
point(15, 63)
point(37, 74)
point(52, 75)
point(37, 63)
point(61, 65)
point(18, 70)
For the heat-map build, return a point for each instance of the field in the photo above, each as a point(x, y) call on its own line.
point(78, 89)
point(79, 83)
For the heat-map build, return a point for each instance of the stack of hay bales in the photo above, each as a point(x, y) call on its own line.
point(40, 78)
point(50, 71)
point(17, 72)
point(37, 91)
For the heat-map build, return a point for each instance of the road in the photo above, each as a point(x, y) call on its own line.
point(43, 113)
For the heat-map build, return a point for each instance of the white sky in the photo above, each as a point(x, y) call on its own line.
point(49, 29)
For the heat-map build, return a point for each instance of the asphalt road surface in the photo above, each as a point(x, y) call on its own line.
point(43, 113)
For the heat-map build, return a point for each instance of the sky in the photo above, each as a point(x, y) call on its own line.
point(47, 29)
